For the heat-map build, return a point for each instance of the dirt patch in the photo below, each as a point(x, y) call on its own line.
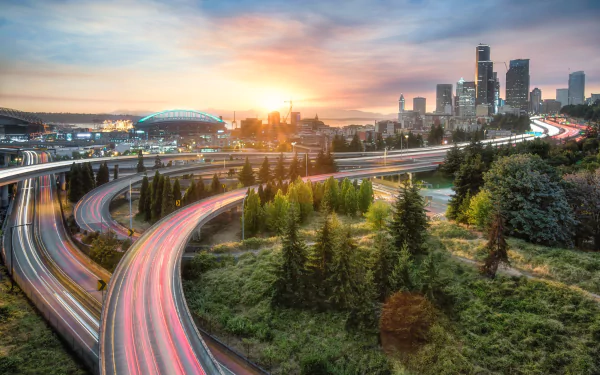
point(120, 213)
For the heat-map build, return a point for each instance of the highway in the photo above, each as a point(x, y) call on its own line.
point(56, 303)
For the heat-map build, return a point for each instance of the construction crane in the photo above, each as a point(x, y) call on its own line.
point(498, 62)
point(289, 111)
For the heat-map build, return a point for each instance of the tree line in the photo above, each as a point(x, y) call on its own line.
point(81, 179)
point(584, 111)
point(536, 191)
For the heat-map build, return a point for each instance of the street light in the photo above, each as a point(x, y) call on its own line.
point(243, 204)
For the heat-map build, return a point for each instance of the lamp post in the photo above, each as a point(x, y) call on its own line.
point(243, 223)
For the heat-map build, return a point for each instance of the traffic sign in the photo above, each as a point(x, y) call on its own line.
point(178, 202)
point(130, 231)
point(101, 284)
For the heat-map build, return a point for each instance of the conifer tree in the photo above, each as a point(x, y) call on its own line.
point(75, 186)
point(167, 204)
point(291, 275)
point(155, 188)
point(148, 205)
point(279, 173)
point(116, 172)
point(246, 175)
point(87, 177)
point(140, 165)
point(294, 170)
point(215, 185)
point(321, 257)
point(264, 173)
point(409, 221)
point(276, 213)
point(331, 195)
point(306, 166)
point(158, 198)
point(269, 192)
point(252, 214)
point(261, 195)
point(157, 163)
point(365, 196)
point(201, 191)
point(144, 190)
point(190, 193)
point(351, 202)
point(320, 163)
point(177, 193)
point(404, 274)
point(385, 259)
point(497, 248)
point(343, 281)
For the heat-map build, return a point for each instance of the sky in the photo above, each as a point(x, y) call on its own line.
point(330, 57)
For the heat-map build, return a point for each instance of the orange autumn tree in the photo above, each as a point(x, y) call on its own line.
point(407, 317)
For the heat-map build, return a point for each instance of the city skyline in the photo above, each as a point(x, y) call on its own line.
point(103, 57)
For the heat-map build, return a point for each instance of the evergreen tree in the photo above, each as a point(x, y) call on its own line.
point(344, 187)
point(75, 185)
point(468, 180)
point(300, 195)
point(177, 193)
point(497, 248)
point(144, 190)
point(343, 280)
point(157, 201)
point(103, 175)
point(452, 162)
point(291, 275)
point(386, 256)
point(351, 202)
point(190, 193)
point(140, 165)
point(318, 193)
point(294, 171)
point(331, 195)
point(246, 175)
point(201, 192)
point(365, 196)
point(306, 167)
point(155, 182)
point(215, 185)
point(320, 163)
point(167, 204)
point(269, 192)
point(321, 257)
point(409, 221)
point(116, 172)
point(87, 177)
point(148, 206)
point(252, 214)
point(276, 213)
point(356, 144)
point(279, 173)
point(430, 276)
point(157, 163)
point(261, 195)
point(264, 173)
point(404, 274)
point(330, 163)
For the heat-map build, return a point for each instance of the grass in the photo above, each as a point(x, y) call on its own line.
point(27, 344)
point(572, 267)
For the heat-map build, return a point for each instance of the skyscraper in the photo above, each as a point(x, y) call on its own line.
point(517, 84)
point(562, 96)
point(577, 87)
point(443, 98)
point(465, 92)
point(535, 101)
point(496, 93)
point(419, 105)
point(401, 104)
point(484, 77)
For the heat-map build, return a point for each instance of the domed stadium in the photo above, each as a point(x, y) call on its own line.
point(18, 123)
point(179, 123)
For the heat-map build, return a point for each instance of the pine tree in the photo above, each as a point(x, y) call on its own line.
point(140, 164)
point(294, 171)
point(365, 196)
point(157, 162)
point(155, 188)
point(87, 178)
point(331, 194)
point(102, 177)
point(403, 276)
point(351, 202)
point(75, 185)
point(276, 213)
point(252, 214)
point(167, 204)
point(385, 258)
point(321, 257)
point(144, 190)
point(246, 175)
point(116, 172)
point(331, 165)
point(158, 198)
point(452, 162)
point(177, 193)
point(497, 248)
point(261, 195)
point(279, 173)
point(344, 187)
point(215, 185)
point(269, 192)
point(148, 205)
point(356, 144)
point(409, 221)
point(201, 192)
point(291, 275)
point(320, 163)
point(264, 173)
point(343, 281)
point(190, 193)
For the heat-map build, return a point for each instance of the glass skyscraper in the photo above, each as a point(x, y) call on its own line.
point(517, 84)
point(484, 77)
point(576, 88)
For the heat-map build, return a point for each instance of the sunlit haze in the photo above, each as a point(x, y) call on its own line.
point(328, 57)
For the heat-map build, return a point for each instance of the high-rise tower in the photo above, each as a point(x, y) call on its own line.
point(465, 92)
point(517, 84)
point(535, 101)
point(484, 77)
point(443, 98)
point(420, 105)
point(401, 104)
point(576, 88)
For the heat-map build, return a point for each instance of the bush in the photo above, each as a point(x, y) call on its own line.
point(444, 229)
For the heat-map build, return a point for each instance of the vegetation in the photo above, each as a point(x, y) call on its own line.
point(246, 175)
point(140, 165)
point(107, 250)
point(81, 181)
point(516, 124)
point(28, 345)
point(584, 111)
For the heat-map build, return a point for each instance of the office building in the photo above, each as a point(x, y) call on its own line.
point(562, 96)
point(550, 107)
point(294, 119)
point(443, 98)
point(466, 95)
point(419, 105)
point(401, 104)
point(274, 118)
point(484, 77)
point(594, 98)
point(496, 92)
point(535, 101)
point(577, 87)
point(517, 84)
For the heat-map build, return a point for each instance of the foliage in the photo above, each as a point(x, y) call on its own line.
point(279, 172)
point(452, 162)
point(246, 175)
point(377, 215)
point(75, 187)
point(157, 196)
point(407, 317)
point(480, 208)
point(365, 195)
point(468, 180)
point(530, 196)
point(331, 194)
point(115, 171)
point(583, 194)
point(435, 136)
point(168, 202)
point(384, 259)
point(103, 174)
point(276, 213)
point(215, 185)
point(294, 171)
point(409, 221)
point(140, 164)
point(344, 284)
point(145, 195)
point(104, 250)
point(516, 124)
point(264, 173)
point(252, 213)
point(351, 202)
point(497, 248)
point(177, 192)
point(300, 195)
